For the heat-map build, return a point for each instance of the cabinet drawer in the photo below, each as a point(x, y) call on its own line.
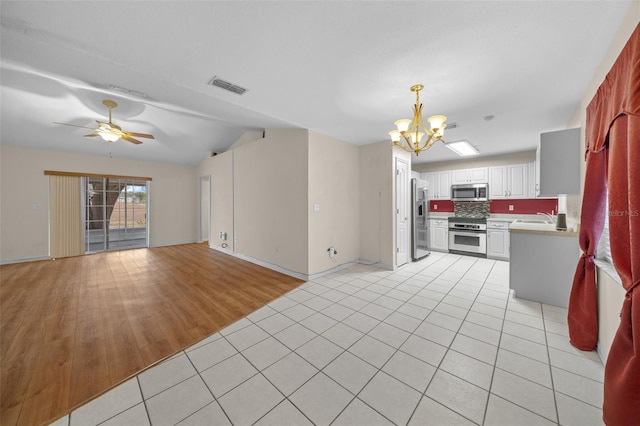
point(497, 225)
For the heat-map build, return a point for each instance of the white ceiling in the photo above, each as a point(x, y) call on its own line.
point(340, 68)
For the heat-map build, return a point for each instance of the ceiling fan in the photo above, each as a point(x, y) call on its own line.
point(111, 132)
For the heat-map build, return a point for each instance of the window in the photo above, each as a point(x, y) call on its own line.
point(115, 213)
point(604, 249)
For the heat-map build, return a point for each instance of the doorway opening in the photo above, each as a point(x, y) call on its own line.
point(205, 208)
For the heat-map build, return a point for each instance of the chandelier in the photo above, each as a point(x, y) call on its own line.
point(410, 133)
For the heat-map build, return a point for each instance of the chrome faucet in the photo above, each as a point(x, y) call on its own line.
point(548, 216)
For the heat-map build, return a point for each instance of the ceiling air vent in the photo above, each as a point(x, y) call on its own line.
point(451, 126)
point(218, 82)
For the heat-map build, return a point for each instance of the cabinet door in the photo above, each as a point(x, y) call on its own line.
point(444, 185)
point(441, 238)
point(531, 180)
point(479, 175)
point(432, 187)
point(497, 243)
point(459, 176)
point(559, 156)
point(517, 181)
point(432, 234)
point(498, 181)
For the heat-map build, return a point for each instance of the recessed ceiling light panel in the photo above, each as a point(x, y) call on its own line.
point(463, 148)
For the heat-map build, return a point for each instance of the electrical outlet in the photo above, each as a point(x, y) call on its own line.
point(510, 207)
point(332, 252)
point(435, 207)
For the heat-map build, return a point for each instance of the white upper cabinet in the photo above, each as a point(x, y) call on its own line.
point(439, 185)
point(532, 181)
point(518, 181)
point(497, 182)
point(559, 162)
point(477, 175)
point(508, 181)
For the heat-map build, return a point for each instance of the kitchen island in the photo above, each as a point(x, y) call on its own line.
point(543, 262)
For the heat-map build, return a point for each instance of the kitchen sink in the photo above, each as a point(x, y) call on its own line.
point(533, 224)
point(534, 221)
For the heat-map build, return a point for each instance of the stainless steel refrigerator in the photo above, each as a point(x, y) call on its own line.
point(420, 224)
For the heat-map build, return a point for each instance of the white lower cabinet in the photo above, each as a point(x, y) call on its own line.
point(498, 240)
point(439, 234)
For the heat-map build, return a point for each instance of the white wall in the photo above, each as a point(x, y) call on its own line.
point(270, 178)
point(334, 185)
point(377, 202)
point(263, 193)
point(24, 232)
point(610, 293)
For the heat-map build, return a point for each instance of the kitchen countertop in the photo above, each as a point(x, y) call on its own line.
point(444, 216)
point(521, 227)
point(568, 233)
point(502, 217)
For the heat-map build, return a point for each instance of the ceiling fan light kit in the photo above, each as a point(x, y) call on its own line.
point(409, 133)
point(111, 132)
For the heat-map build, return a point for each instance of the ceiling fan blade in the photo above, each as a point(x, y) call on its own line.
point(130, 139)
point(74, 125)
point(139, 135)
point(90, 135)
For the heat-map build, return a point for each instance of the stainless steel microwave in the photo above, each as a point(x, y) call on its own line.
point(470, 192)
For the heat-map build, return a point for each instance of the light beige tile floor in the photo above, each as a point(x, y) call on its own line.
point(439, 341)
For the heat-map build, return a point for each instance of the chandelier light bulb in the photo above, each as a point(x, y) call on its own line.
point(416, 137)
point(403, 125)
point(436, 121)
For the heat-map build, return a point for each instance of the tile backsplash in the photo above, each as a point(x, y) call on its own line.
point(471, 208)
point(508, 206)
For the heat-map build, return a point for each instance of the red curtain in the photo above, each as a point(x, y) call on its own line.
point(583, 300)
point(613, 163)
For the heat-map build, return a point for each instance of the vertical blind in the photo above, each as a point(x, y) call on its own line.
point(65, 223)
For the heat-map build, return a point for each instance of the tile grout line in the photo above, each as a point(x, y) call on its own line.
point(144, 401)
point(424, 393)
point(553, 389)
point(393, 285)
point(208, 388)
point(495, 364)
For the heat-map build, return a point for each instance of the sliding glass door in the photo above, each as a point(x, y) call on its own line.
point(115, 214)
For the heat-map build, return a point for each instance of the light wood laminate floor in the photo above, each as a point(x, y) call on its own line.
point(73, 328)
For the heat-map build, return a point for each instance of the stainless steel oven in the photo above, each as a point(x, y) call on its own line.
point(468, 236)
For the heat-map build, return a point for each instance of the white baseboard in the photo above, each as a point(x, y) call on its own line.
point(268, 265)
point(299, 275)
point(23, 260)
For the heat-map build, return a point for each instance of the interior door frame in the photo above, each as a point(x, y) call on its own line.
point(402, 209)
point(205, 209)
